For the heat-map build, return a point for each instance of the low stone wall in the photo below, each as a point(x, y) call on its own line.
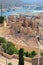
point(34, 61)
point(15, 56)
point(9, 56)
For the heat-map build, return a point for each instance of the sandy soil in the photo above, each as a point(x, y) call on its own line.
point(13, 61)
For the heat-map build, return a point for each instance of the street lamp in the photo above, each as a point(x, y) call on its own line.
point(1, 9)
point(39, 50)
point(6, 49)
point(38, 40)
point(6, 53)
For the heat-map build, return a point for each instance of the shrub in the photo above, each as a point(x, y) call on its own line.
point(9, 48)
point(2, 40)
point(27, 54)
point(21, 58)
point(10, 63)
point(4, 47)
point(24, 53)
point(32, 54)
point(1, 19)
point(41, 54)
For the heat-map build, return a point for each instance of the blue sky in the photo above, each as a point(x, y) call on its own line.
point(33, 1)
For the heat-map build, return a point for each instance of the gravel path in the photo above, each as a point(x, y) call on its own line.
point(13, 60)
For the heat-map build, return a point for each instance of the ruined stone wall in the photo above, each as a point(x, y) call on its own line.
point(25, 26)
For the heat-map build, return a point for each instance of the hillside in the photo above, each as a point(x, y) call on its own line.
point(10, 3)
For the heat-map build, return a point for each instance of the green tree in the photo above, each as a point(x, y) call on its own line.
point(27, 54)
point(2, 40)
point(4, 47)
point(9, 48)
point(32, 54)
point(10, 63)
point(41, 54)
point(21, 58)
point(1, 19)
